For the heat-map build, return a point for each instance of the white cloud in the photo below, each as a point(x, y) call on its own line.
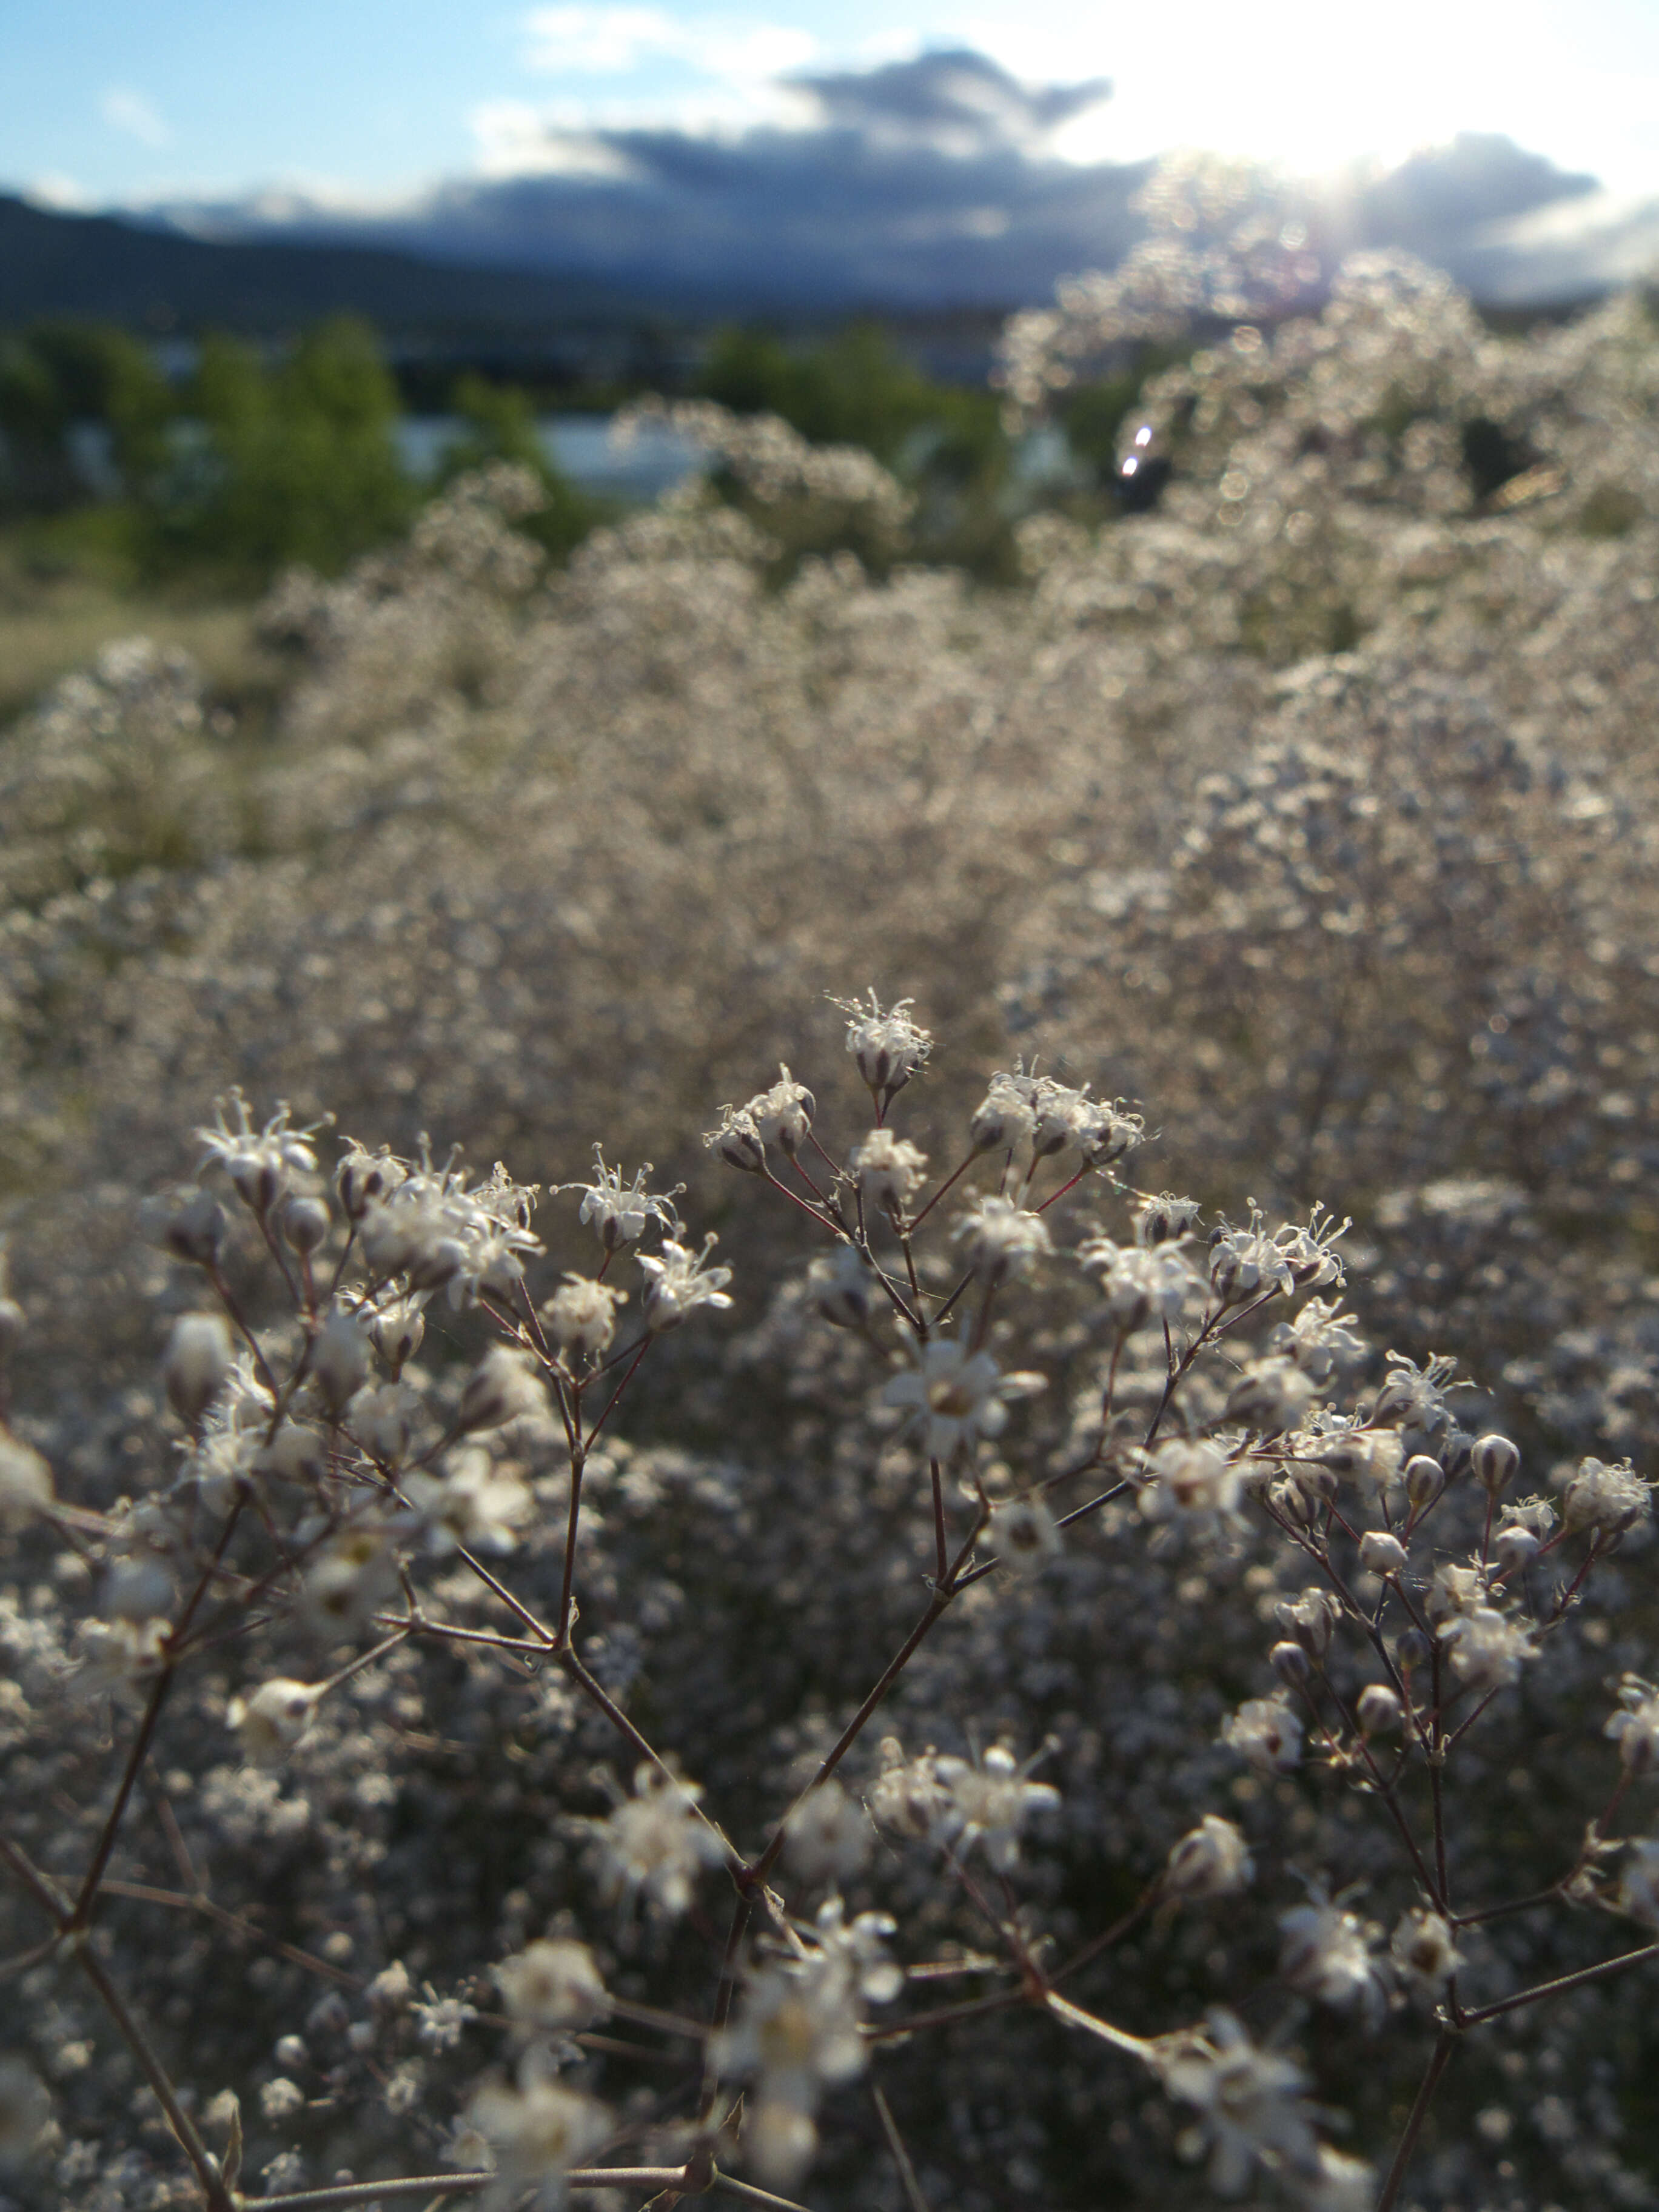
point(62, 194)
point(517, 140)
point(588, 41)
point(136, 114)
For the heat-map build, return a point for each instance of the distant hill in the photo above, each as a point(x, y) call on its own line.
point(102, 269)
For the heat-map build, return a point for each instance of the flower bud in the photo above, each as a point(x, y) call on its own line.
point(363, 1178)
point(1213, 1860)
point(581, 1316)
point(841, 1288)
point(783, 1115)
point(396, 1332)
point(1378, 1710)
point(1296, 1503)
point(195, 1230)
point(502, 1387)
point(1311, 1620)
point(1495, 1463)
point(339, 1360)
point(1381, 1553)
point(304, 1224)
point(1004, 1117)
point(1413, 1650)
point(1515, 1547)
point(1425, 1480)
point(736, 1141)
point(1291, 1663)
point(196, 1362)
point(270, 1722)
point(11, 1327)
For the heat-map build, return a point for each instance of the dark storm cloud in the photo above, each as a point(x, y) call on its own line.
point(923, 182)
point(949, 100)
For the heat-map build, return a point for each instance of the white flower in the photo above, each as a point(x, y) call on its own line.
point(737, 1141)
point(1316, 1339)
point(349, 1580)
point(196, 1364)
point(260, 1163)
point(1023, 1534)
point(678, 1281)
point(1636, 1729)
point(537, 2133)
point(1327, 1955)
point(1003, 1242)
point(1266, 1733)
point(581, 1316)
point(1639, 1887)
point(270, 1722)
point(1250, 2103)
point(1191, 1481)
point(552, 1983)
point(618, 1215)
point(1487, 1650)
point(908, 1794)
point(958, 1395)
point(986, 1801)
point(25, 1485)
point(1212, 1859)
point(783, 1115)
point(827, 1837)
point(797, 2029)
point(1246, 1263)
point(1136, 1286)
point(1424, 1949)
point(478, 1504)
point(1605, 1499)
point(888, 1170)
point(860, 1947)
point(888, 1048)
point(25, 2109)
point(1271, 1396)
point(654, 1844)
point(1007, 1116)
point(435, 1232)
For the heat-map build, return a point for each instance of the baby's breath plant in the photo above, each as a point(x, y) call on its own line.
point(1044, 1666)
point(377, 1618)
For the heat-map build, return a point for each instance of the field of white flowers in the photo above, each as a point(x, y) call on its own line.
point(1096, 1650)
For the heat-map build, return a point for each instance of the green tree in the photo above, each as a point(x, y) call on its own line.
point(297, 463)
point(498, 423)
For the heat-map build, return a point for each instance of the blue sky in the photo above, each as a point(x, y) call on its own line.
point(109, 102)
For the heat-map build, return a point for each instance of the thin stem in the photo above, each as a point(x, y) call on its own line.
point(907, 2172)
point(944, 2016)
point(1438, 2062)
point(20, 1961)
point(1565, 1982)
point(142, 1894)
point(941, 1542)
point(578, 1462)
point(628, 1377)
point(1133, 2046)
point(571, 1665)
point(89, 1895)
point(919, 1219)
point(206, 2166)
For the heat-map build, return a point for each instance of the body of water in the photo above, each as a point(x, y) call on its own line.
point(640, 469)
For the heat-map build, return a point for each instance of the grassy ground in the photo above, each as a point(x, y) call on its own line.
point(69, 586)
